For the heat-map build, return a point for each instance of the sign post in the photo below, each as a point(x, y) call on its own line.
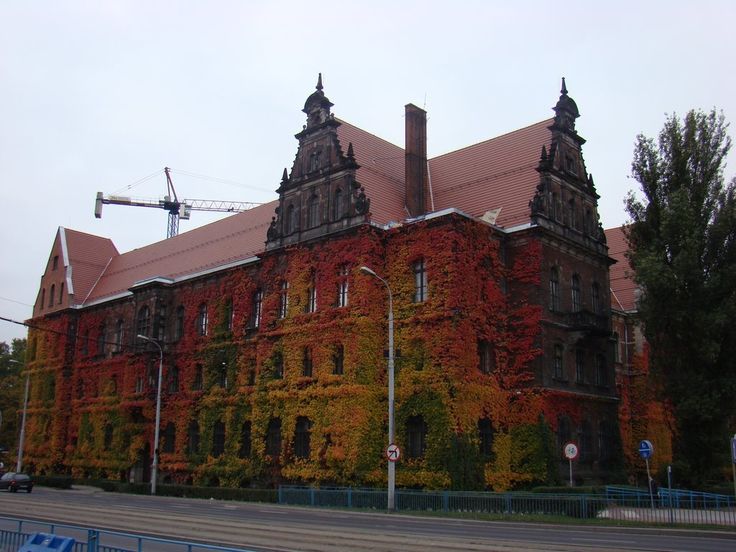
point(646, 449)
point(571, 453)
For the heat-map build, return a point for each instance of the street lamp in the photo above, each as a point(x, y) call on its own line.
point(19, 464)
point(391, 464)
point(154, 466)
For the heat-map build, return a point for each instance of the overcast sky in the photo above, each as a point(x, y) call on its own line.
point(97, 95)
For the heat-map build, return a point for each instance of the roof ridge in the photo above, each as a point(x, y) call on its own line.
point(367, 132)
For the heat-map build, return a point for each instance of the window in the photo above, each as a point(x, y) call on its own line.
point(485, 357)
point(222, 375)
point(416, 437)
point(256, 306)
point(273, 437)
point(338, 361)
point(193, 437)
point(179, 324)
point(420, 281)
point(284, 299)
point(218, 439)
point(107, 444)
point(554, 289)
point(601, 376)
point(245, 437)
point(557, 363)
point(563, 432)
point(228, 314)
point(51, 295)
point(278, 365)
point(55, 263)
point(311, 305)
point(337, 205)
point(616, 348)
point(152, 374)
point(201, 323)
point(312, 211)
point(302, 437)
point(101, 338)
point(595, 298)
point(198, 383)
point(143, 322)
point(585, 438)
point(291, 220)
point(43, 298)
point(575, 289)
point(579, 366)
point(61, 293)
point(161, 322)
point(573, 217)
point(342, 286)
point(485, 435)
point(307, 362)
point(118, 342)
point(169, 444)
point(174, 380)
point(605, 442)
point(139, 384)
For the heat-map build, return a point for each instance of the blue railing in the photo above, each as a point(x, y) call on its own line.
point(620, 503)
point(15, 531)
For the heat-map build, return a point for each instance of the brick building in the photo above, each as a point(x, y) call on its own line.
point(273, 339)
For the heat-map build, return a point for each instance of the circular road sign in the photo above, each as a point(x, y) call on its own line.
point(393, 453)
point(646, 449)
point(571, 451)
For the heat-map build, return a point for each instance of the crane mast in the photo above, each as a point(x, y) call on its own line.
point(177, 209)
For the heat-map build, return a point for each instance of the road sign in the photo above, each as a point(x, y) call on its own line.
point(646, 449)
point(571, 451)
point(733, 449)
point(393, 453)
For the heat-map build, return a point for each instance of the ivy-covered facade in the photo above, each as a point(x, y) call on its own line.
point(274, 361)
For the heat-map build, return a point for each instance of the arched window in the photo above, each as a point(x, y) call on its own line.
point(575, 290)
point(256, 306)
point(143, 323)
point(579, 366)
point(616, 347)
point(554, 289)
point(284, 299)
point(337, 205)
point(312, 211)
point(485, 435)
point(218, 439)
point(193, 437)
point(421, 290)
point(169, 435)
point(342, 286)
point(43, 298)
point(273, 437)
point(61, 293)
point(202, 319)
point(416, 437)
point(51, 295)
point(174, 380)
point(118, 345)
point(245, 438)
point(302, 437)
point(595, 298)
point(601, 371)
point(558, 362)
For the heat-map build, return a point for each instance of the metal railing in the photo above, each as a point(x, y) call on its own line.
point(617, 503)
point(15, 531)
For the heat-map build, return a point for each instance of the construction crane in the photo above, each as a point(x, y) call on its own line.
point(177, 209)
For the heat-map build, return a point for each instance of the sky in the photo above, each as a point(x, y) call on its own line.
point(98, 95)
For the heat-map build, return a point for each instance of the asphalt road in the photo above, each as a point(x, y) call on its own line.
point(274, 528)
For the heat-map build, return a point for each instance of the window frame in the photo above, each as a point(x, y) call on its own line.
point(421, 283)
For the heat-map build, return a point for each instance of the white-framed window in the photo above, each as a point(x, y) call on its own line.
point(420, 281)
point(201, 325)
point(284, 299)
point(256, 307)
point(342, 286)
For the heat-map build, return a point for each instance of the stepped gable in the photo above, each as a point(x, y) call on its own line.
point(623, 288)
point(499, 173)
point(231, 239)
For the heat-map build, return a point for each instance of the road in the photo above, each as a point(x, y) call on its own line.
point(275, 528)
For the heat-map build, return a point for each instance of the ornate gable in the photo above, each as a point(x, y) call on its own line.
point(321, 195)
point(565, 199)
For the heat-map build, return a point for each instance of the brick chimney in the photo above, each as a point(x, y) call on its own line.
point(415, 160)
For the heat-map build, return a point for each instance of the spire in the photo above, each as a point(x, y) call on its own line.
point(285, 176)
point(566, 111)
point(351, 155)
point(563, 90)
point(319, 82)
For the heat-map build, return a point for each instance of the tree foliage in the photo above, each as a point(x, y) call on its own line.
point(11, 393)
point(682, 247)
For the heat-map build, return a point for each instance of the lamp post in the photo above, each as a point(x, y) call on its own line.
point(391, 464)
point(21, 439)
point(154, 466)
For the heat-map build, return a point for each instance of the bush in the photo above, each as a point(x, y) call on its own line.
point(570, 490)
point(56, 481)
point(188, 491)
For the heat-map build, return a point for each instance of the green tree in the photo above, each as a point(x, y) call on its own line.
point(682, 247)
point(11, 393)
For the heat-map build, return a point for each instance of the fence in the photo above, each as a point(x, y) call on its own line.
point(14, 532)
point(619, 503)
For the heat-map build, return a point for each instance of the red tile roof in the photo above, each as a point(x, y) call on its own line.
point(623, 287)
point(88, 255)
point(497, 173)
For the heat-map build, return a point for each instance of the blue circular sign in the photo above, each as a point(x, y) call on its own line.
point(646, 449)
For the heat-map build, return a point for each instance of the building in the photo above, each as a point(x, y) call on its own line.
point(273, 339)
